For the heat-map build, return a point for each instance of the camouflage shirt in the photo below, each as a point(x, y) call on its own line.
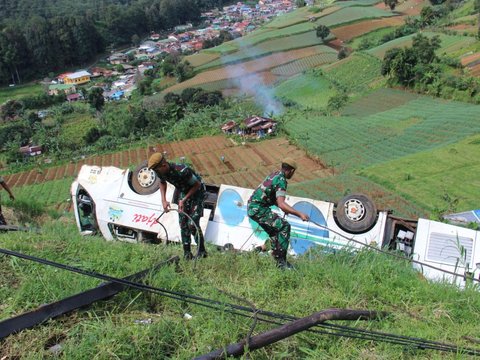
point(181, 176)
point(266, 194)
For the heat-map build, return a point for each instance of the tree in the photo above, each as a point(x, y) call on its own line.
point(95, 98)
point(300, 3)
point(391, 4)
point(322, 31)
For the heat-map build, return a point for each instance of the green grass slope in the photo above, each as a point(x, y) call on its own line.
point(143, 325)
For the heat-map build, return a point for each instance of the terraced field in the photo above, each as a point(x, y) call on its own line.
point(247, 68)
point(244, 165)
point(352, 14)
point(348, 32)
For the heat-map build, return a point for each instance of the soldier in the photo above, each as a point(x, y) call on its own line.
point(272, 191)
point(191, 195)
point(7, 189)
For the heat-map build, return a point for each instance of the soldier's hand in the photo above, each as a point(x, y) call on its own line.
point(166, 206)
point(180, 206)
point(304, 217)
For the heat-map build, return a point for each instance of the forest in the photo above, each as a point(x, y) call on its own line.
point(39, 37)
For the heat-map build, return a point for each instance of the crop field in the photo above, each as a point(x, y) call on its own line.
point(268, 47)
point(253, 66)
point(54, 193)
point(421, 175)
point(308, 90)
point(351, 14)
point(474, 70)
point(449, 43)
point(201, 58)
point(19, 91)
point(243, 165)
point(356, 3)
point(298, 66)
point(464, 28)
point(357, 142)
point(355, 72)
point(298, 16)
point(378, 101)
point(354, 30)
point(333, 188)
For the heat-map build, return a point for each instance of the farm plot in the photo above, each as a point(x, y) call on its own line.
point(201, 58)
point(307, 90)
point(378, 101)
point(354, 30)
point(300, 15)
point(449, 43)
point(418, 125)
point(268, 47)
point(46, 193)
point(333, 188)
point(416, 175)
point(355, 72)
point(357, 3)
point(240, 70)
point(298, 66)
point(351, 14)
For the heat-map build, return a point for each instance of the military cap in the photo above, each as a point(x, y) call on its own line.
point(155, 159)
point(290, 162)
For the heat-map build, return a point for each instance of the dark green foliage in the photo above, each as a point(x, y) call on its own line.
point(11, 110)
point(391, 4)
point(412, 64)
point(38, 37)
point(223, 36)
point(322, 31)
point(95, 98)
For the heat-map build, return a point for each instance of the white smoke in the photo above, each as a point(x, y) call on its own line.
point(252, 84)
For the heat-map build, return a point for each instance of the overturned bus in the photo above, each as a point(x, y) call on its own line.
point(121, 204)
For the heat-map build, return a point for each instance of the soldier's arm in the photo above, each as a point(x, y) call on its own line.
point(7, 189)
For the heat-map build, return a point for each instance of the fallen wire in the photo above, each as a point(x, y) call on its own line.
point(262, 315)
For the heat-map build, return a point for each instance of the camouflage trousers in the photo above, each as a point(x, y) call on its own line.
point(193, 207)
point(277, 228)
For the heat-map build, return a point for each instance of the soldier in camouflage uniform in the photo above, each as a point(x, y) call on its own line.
point(272, 191)
point(7, 189)
point(191, 194)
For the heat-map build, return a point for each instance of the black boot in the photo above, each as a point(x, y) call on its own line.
point(281, 258)
point(187, 252)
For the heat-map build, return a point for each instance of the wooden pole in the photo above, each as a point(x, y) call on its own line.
point(289, 329)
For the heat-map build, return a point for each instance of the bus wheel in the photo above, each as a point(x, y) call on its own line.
point(144, 180)
point(355, 214)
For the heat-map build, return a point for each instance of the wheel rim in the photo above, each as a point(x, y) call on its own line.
point(354, 210)
point(146, 177)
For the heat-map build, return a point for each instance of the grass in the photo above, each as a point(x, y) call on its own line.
point(19, 91)
point(372, 36)
point(112, 328)
point(308, 90)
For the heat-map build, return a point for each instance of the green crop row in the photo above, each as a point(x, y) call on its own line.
point(351, 14)
point(356, 142)
point(301, 65)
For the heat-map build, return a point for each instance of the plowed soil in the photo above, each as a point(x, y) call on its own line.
point(217, 158)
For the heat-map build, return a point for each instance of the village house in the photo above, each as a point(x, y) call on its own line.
point(118, 58)
point(257, 126)
point(79, 77)
point(74, 97)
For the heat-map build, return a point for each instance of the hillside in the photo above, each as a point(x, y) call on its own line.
point(412, 149)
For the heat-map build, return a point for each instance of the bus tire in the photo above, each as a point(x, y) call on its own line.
point(144, 181)
point(355, 214)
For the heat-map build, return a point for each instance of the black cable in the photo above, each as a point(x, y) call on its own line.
point(241, 310)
